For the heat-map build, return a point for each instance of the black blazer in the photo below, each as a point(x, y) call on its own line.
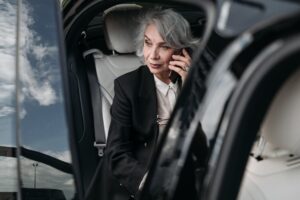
point(133, 130)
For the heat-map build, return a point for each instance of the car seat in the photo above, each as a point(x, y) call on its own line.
point(120, 26)
point(274, 172)
point(120, 23)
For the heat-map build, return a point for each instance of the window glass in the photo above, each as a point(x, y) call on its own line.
point(46, 159)
point(8, 175)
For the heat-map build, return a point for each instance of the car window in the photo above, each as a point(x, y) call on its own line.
point(8, 164)
point(45, 154)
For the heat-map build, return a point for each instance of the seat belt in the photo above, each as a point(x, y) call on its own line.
point(99, 132)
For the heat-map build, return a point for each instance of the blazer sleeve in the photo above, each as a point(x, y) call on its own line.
point(119, 151)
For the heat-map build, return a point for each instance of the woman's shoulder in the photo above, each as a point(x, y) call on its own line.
point(132, 76)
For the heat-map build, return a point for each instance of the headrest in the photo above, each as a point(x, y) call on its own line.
point(282, 123)
point(120, 25)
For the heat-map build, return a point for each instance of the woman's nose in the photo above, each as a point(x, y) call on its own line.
point(154, 54)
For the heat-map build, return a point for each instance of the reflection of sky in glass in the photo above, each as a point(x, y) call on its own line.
point(8, 176)
point(43, 122)
point(7, 70)
point(46, 177)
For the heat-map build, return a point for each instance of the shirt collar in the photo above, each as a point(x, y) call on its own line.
point(163, 87)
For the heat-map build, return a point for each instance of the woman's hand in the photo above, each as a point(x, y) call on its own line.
point(181, 64)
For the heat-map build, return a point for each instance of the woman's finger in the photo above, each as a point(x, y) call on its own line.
point(186, 54)
point(181, 71)
point(181, 58)
point(180, 65)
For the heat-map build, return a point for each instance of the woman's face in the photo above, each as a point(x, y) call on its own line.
point(157, 54)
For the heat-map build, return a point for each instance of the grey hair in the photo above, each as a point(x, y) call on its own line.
point(172, 27)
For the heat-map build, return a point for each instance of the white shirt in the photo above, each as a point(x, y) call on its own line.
point(166, 99)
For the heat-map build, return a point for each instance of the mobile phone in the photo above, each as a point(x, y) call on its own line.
point(174, 76)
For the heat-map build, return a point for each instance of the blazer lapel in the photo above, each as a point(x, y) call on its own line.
point(147, 87)
point(147, 100)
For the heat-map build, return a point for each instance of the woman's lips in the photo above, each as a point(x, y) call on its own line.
point(155, 66)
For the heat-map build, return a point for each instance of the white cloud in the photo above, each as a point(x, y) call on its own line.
point(7, 56)
point(39, 80)
point(6, 110)
point(7, 24)
point(44, 94)
point(63, 155)
point(7, 66)
point(41, 51)
point(6, 94)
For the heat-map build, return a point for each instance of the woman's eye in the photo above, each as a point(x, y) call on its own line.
point(165, 47)
point(147, 43)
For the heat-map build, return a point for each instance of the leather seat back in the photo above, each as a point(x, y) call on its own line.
point(120, 23)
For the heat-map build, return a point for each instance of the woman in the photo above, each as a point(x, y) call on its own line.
point(144, 98)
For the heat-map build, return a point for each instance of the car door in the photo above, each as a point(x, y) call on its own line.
point(274, 61)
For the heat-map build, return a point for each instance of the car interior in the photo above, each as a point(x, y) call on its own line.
point(274, 161)
point(100, 47)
